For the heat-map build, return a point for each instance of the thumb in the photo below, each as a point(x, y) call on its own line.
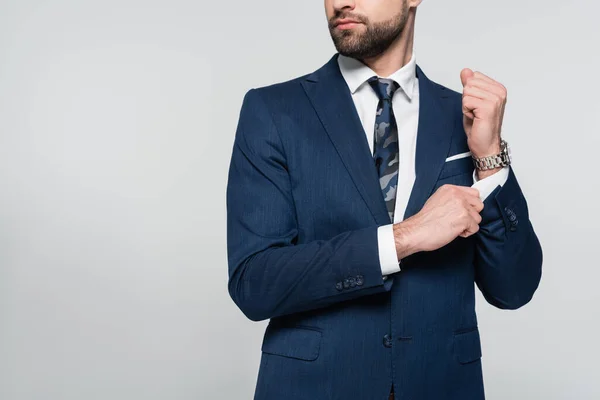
point(465, 74)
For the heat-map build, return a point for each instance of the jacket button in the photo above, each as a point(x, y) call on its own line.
point(360, 280)
point(352, 281)
point(513, 228)
point(339, 286)
point(346, 283)
point(512, 217)
point(387, 341)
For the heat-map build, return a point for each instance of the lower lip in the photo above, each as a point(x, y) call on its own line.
point(347, 25)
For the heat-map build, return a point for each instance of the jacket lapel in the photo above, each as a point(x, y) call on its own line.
point(434, 135)
point(332, 100)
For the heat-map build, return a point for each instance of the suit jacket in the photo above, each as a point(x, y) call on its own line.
point(303, 207)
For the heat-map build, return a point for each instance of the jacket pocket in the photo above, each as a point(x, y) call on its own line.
point(292, 342)
point(457, 167)
point(467, 346)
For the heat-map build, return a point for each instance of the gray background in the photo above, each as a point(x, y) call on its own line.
point(116, 125)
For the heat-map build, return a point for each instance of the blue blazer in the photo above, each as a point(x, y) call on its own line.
point(303, 208)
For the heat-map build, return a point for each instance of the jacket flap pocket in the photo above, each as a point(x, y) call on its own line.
point(467, 346)
point(296, 342)
point(457, 166)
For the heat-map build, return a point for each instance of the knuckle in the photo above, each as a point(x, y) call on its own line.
point(451, 191)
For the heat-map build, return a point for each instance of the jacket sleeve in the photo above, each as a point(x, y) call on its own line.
point(508, 265)
point(270, 273)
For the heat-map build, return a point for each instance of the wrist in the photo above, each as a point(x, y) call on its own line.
point(491, 164)
point(405, 239)
point(487, 151)
point(484, 174)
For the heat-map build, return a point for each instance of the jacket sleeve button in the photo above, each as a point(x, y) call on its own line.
point(387, 341)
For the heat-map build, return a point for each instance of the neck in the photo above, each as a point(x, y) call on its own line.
point(399, 52)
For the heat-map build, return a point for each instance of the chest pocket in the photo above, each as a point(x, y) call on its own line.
point(457, 166)
point(456, 172)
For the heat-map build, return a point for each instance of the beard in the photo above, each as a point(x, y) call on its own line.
point(371, 42)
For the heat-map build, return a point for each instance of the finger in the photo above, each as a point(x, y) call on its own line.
point(495, 87)
point(481, 75)
point(473, 227)
point(469, 190)
point(480, 93)
point(472, 207)
point(465, 74)
point(471, 230)
point(467, 107)
point(478, 206)
point(475, 216)
point(470, 103)
point(475, 202)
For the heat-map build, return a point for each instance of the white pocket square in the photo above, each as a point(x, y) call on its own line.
point(458, 156)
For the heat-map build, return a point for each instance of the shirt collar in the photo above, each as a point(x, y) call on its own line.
point(356, 73)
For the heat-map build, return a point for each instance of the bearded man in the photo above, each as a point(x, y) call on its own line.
point(364, 203)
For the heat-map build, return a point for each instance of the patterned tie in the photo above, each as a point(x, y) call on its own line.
point(386, 153)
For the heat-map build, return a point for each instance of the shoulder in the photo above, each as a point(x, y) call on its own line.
point(291, 91)
point(446, 92)
point(278, 92)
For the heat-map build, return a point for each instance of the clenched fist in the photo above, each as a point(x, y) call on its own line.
point(450, 212)
point(483, 103)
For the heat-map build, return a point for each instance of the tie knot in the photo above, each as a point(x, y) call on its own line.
point(383, 87)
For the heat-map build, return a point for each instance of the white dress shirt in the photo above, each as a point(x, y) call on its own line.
point(405, 104)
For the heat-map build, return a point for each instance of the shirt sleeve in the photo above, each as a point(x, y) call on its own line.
point(388, 258)
point(487, 185)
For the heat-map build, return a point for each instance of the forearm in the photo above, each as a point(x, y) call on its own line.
point(285, 279)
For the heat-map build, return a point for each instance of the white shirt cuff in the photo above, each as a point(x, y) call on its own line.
point(388, 258)
point(488, 184)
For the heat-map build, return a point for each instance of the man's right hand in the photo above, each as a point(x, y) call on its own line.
point(450, 212)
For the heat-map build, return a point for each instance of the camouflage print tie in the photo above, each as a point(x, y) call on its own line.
point(385, 149)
